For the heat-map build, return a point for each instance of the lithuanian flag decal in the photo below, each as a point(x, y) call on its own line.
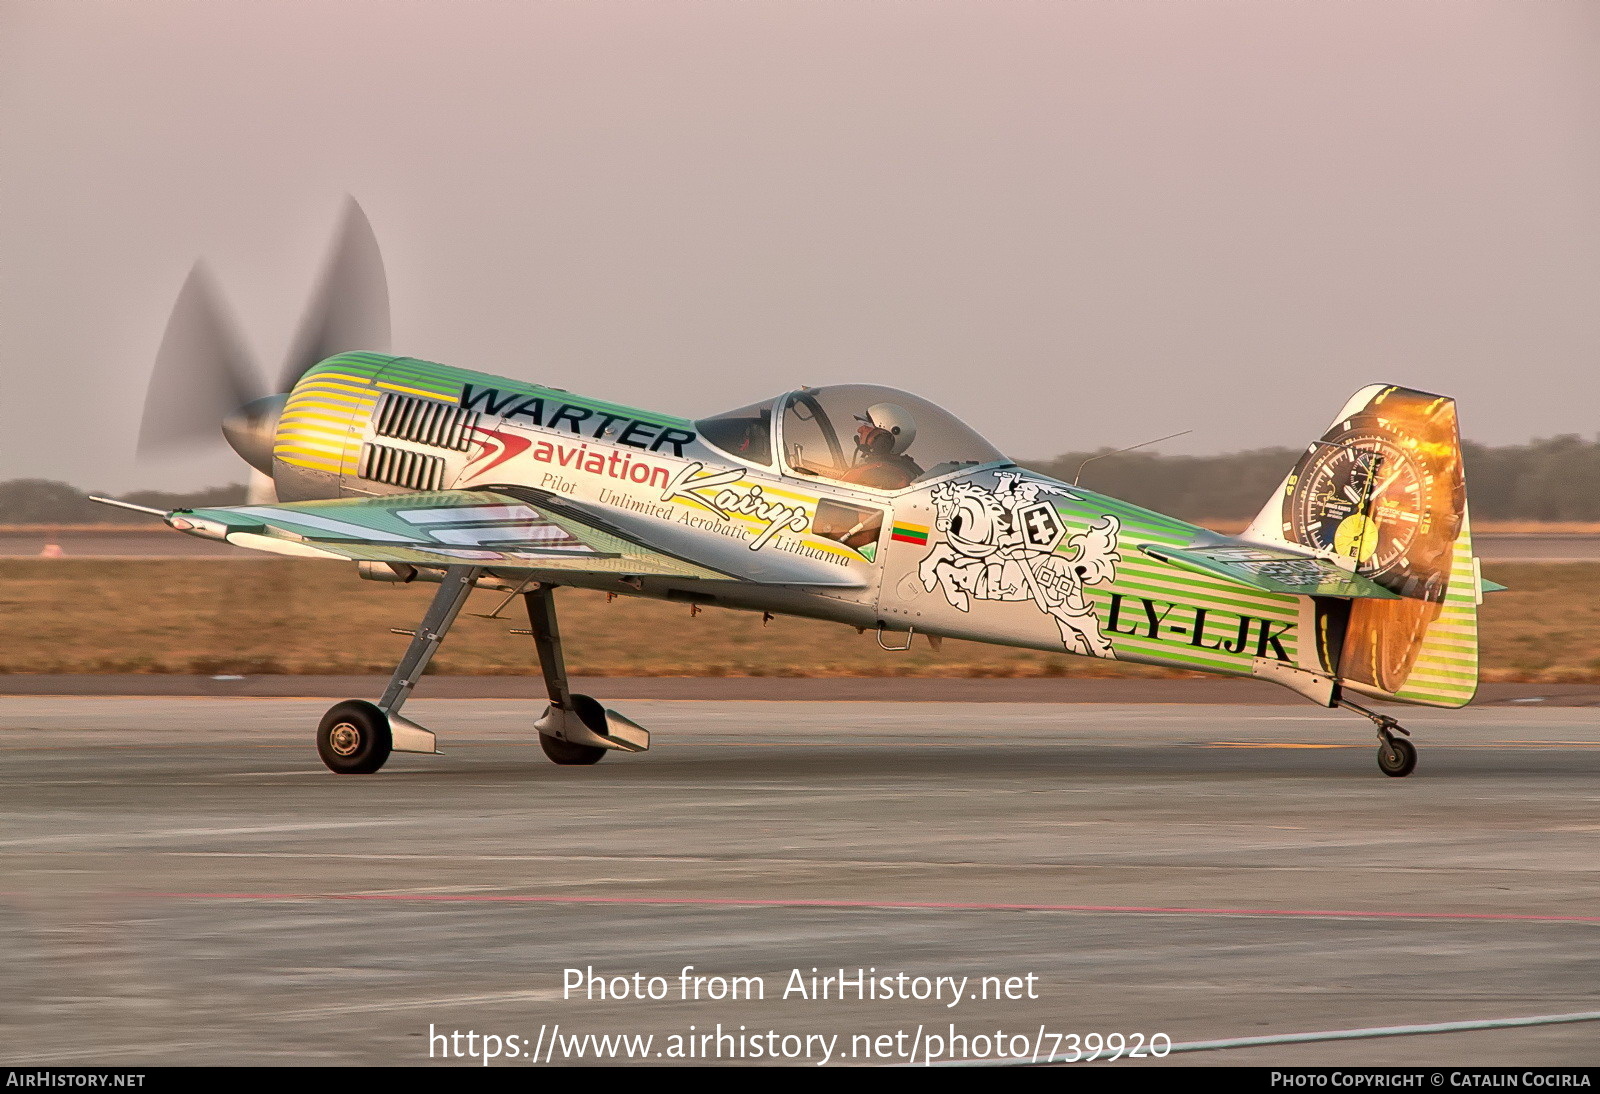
point(910, 533)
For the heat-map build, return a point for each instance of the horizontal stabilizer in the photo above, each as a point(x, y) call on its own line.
point(1272, 570)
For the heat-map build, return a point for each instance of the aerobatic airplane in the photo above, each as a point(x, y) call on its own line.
point(857, 504)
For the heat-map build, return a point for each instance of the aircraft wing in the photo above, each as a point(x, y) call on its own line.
point(442, 528)
point(1272, 569)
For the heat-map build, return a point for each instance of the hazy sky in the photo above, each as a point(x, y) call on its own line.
point(1076, 224)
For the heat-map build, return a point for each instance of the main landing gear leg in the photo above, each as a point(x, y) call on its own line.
point(1397, 757)
point(575, 729)
point(355, 736)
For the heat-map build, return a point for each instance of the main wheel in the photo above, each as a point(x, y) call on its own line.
point(569, 754)
point(353, 738)
point(1397, 757)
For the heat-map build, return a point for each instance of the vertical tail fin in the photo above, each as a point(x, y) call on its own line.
point(1383, 492)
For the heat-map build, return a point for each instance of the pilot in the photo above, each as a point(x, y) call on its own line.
point(886, 431)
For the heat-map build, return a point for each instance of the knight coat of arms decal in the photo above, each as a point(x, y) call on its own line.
point(1000, 544)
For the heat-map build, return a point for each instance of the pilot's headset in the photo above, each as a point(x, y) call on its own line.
point(887, 429)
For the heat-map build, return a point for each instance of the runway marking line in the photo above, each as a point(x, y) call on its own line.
point(878, 905)
point(1273, 744)
point(1321, 1035)
point(1388, 1031)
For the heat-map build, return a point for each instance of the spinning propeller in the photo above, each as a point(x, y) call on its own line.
point(205, 375)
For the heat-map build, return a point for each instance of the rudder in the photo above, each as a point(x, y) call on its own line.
point(1384, 493)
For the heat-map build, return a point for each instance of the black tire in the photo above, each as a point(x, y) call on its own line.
point(353, 738)
point(1397, 757)
point(571, 755)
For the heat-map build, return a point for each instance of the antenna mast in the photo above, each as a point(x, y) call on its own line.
point(1120, 451)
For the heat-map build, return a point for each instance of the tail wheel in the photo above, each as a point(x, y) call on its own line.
point(1397, 757)
point(353, 738)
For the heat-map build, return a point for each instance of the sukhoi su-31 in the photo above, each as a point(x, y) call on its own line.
point(856, 504)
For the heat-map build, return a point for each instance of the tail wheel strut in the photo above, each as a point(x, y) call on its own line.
point(1397, 757)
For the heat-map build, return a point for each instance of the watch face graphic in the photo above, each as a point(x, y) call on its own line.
point(1363, 495)
point(1384, 488)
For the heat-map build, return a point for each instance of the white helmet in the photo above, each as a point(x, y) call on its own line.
point(894, 420)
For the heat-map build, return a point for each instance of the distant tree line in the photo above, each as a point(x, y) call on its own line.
point(1229, 486)
point(1552, 479)
point(41, 501)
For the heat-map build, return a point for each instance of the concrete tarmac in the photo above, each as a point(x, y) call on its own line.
point(185, 883)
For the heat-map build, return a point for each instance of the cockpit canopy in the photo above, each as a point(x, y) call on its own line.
point(853, 434)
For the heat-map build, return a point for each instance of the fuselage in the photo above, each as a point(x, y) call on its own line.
point(967, 545)
point(990, 553)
